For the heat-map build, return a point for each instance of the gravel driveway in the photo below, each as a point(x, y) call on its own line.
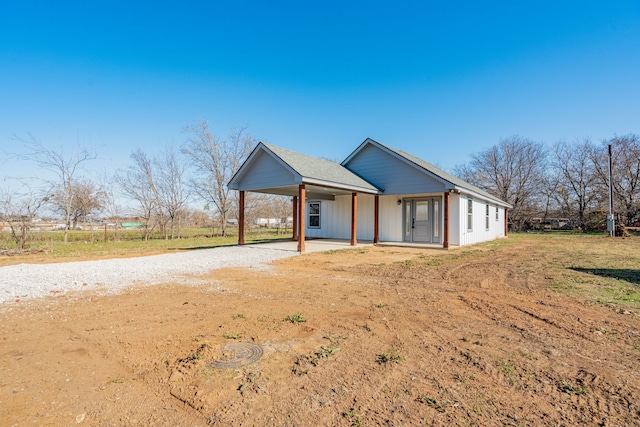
point(39, 280)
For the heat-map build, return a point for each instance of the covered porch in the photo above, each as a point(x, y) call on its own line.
point(274, 170)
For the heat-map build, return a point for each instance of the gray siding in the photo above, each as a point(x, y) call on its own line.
point(265, 172)
point(391, 174)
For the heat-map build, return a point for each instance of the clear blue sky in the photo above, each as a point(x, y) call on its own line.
point(438, 79)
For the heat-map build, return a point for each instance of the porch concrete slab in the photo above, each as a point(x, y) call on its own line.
point(322, 245)
point(313, 245)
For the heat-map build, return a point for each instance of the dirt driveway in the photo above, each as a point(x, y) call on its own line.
point(369, 336)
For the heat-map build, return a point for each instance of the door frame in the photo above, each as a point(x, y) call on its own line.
point(435, 219)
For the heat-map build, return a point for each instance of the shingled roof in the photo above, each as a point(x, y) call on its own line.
point(314, 168)
point(439, 172)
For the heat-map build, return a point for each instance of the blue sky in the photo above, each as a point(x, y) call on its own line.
point(440, 80)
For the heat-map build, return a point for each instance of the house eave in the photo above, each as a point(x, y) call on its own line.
point(339, 186)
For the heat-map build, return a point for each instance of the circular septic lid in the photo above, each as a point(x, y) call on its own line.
point(237, 354)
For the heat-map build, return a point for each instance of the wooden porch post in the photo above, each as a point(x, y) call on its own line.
point(301, 195)
point(354, 218)
point(295, 218)
point(241, 219)
point(445, 237)
point(376, 219)
point(506, 222)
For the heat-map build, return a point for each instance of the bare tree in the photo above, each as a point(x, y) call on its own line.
point(18, 208)
point(514, 171)
point(268, 206)
point(626, 173)
point(137, 184)
point(66, 170)
point(172, 194)
point(87, 200)
point(574, 167)
point(111, 206)
point(215, 160)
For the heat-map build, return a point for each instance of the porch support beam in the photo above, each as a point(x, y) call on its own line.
point(301, 217)
point(295, 218)
point(354, 218)
point(445, 236)
point(241, 219)
point(506, 222)
point(376, 219)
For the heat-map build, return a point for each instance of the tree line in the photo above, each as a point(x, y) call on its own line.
point(564, 179)
point(158, 189)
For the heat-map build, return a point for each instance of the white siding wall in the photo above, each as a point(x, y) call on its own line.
point(455, 226)
point(390, 219)
point(364, 229)
point(330, 212)
point(479, 232)
point(335, 219)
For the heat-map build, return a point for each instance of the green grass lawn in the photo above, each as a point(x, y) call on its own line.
point(48, 246)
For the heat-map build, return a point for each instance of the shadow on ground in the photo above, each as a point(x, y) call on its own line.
point(631, 276)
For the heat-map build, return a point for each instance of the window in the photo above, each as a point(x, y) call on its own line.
point(436, 219)
point(497, 218)
point(314, 215)
point(407, 220)
point(469, 214)
point(486, 221)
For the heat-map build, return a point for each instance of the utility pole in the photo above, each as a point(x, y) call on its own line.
point(611, 222)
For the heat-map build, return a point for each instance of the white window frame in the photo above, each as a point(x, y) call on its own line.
point(469, 214)
point(497, 215)
point(309, 215)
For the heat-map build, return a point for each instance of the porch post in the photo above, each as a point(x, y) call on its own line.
point(376, 219)
point(295, 218)
point(241, 219)
point(445, 237)
point(506, 222)
point(301, 196)
point(354, 218)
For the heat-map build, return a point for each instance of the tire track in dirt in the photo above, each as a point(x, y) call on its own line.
point(583, 388)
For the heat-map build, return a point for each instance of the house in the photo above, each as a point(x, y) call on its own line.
point(377, 193)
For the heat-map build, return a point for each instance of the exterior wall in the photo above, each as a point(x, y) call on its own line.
point(265, 171)
point(335, 219)
point(390, 219)
point(479, 233)
point(454, 220)
point(375, 165)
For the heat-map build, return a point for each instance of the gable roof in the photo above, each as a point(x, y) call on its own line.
point(313, 168)
point(305, 170)
point(325, 178)
point(435, 172)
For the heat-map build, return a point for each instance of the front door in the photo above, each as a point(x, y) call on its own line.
point(422, 220)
